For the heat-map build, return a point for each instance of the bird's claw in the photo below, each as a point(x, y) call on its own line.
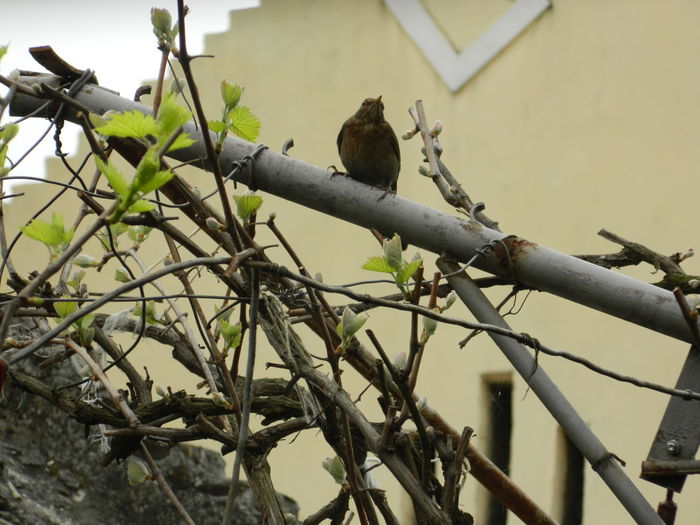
point(334, 171)
point(385, 193)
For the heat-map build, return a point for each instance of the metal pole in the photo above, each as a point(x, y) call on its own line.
point(544, 388)
point(530, 264)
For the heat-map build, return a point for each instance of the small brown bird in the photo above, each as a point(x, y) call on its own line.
point(368, 147)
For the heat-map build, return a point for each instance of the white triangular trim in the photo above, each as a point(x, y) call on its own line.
point(457, 68)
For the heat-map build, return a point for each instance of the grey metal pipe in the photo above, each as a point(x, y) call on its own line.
point(532, 265)
point(544, 388)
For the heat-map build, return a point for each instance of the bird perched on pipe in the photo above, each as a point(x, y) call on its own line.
point(368, 147)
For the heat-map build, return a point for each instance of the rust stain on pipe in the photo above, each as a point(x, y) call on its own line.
point(509, 253)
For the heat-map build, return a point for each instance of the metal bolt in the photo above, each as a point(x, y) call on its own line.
point(673, 447)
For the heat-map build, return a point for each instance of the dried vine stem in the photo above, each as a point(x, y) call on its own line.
point(290, 349)
point(158, 475)
point(50, 270)
point(522, 338)
point(362, 501)
point(448, 186)
point(247, 395)
point(212, 157)
point(95, 368)
point(633, 253)
point(104, 299)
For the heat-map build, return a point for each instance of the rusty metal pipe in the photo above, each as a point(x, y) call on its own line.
point(602, 461)
point(530, 264)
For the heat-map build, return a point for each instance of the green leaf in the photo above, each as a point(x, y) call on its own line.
point(231, 333)
point(407, 270)
point(429, 325)
point(77, 278)
point(247, 203)
point(64, 236)
point(87, 320)
point(121, 275)
point(140, 206)
point(161, 21)
point(170, 116)
point(54, 235)
point(214, 225)
point(152, 317)
point(176, 87)
point(216, 126)
point(351, 323)
point(451, 298)
point(85, 335)
point(378, 263)
point(393, 252)
point(116, 229)
point(220, 401)
point(38, 230)
point(182, 141)
point(231, 94)
point(116, 180)
point(3, 154)
point(243, 123)
point(139, 234)
point(348, 326)
point(97, 120)
point(64, 309)
point(335, 468)
point(400, 360)
point(136, 471)
point(3, 50)
point(145, 171)
point(156, 181)
point(8, 133)
point(131, 124)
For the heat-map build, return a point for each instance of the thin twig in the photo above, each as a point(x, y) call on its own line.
point(362, 502)
point(50, 270)
point(411, 407)
point(414, 344)
point(690, 317)
point(96, 370)
point(212, 157)
point(141, 386)
point(179, 314)
point(158, 475)
point(334, 510)
point(107, 297)
point(520, 337)
point(450, 492)
point(158, 95)
point(247, 395)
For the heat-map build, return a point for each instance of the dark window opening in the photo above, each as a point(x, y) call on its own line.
point(572, 481)
point(500, 424)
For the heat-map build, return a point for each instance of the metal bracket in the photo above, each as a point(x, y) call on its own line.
point(47, 57)
point(672, 454)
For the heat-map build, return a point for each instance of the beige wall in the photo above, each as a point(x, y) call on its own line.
point(587, 120)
